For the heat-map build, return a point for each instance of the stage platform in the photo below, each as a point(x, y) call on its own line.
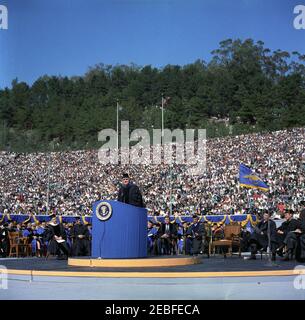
point(215, 278)
point(167, 266)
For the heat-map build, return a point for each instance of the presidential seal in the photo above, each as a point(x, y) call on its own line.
point(103, 211)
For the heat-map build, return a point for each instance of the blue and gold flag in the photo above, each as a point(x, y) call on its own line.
point(250, 180)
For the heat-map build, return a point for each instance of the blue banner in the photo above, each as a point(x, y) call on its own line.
point(249, 179)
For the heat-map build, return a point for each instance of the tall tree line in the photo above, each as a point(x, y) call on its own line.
point(254, 88)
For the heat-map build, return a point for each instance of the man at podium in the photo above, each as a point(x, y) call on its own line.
point(130, 193)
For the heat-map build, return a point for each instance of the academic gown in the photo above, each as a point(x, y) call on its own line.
point(286, 227)
point(296, 242)
point(198, 232)
point(151, 236)
point(300, 252)
point(81, 247)
point(262, 240)
point(54, 247)
point(131, 194)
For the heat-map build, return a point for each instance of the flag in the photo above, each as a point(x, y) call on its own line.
point(250, 180)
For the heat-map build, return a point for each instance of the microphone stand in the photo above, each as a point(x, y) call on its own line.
point(270, 263)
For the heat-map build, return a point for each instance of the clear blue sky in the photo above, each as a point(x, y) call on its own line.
point(65, 37)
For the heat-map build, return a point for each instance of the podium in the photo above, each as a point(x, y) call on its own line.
point(119, 230)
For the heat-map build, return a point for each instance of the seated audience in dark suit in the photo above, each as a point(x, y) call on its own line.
point(294, 241)
point(289, 225)
point(167, 237)
point(259, 239)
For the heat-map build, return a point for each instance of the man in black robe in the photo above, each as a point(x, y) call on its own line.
point(259, 239)
point(80, 235)
point(56, 236)
point(130, 193)
point(198, 233)
point(289, 225)
point(295, 241)
point(4, 240)
point(167, 237)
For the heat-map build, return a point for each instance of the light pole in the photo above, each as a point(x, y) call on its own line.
point(170, 177)
point(117, 123)
point(162, 120)
point(170, 164)
point(48, 186)
point(49, 173)
point(48, 182)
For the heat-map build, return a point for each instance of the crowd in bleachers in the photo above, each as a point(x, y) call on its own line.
point(77, 179)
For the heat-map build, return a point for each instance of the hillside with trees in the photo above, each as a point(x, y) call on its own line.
point(245, 87)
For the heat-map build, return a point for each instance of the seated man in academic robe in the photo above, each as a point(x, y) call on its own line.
point(198, 234)
point(295, 241)
point(56, 236)
point(259, 239)
point(80, 235)
point(289, 225)
point(167, 237)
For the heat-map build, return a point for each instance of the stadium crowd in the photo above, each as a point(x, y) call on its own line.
point(76, 179)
